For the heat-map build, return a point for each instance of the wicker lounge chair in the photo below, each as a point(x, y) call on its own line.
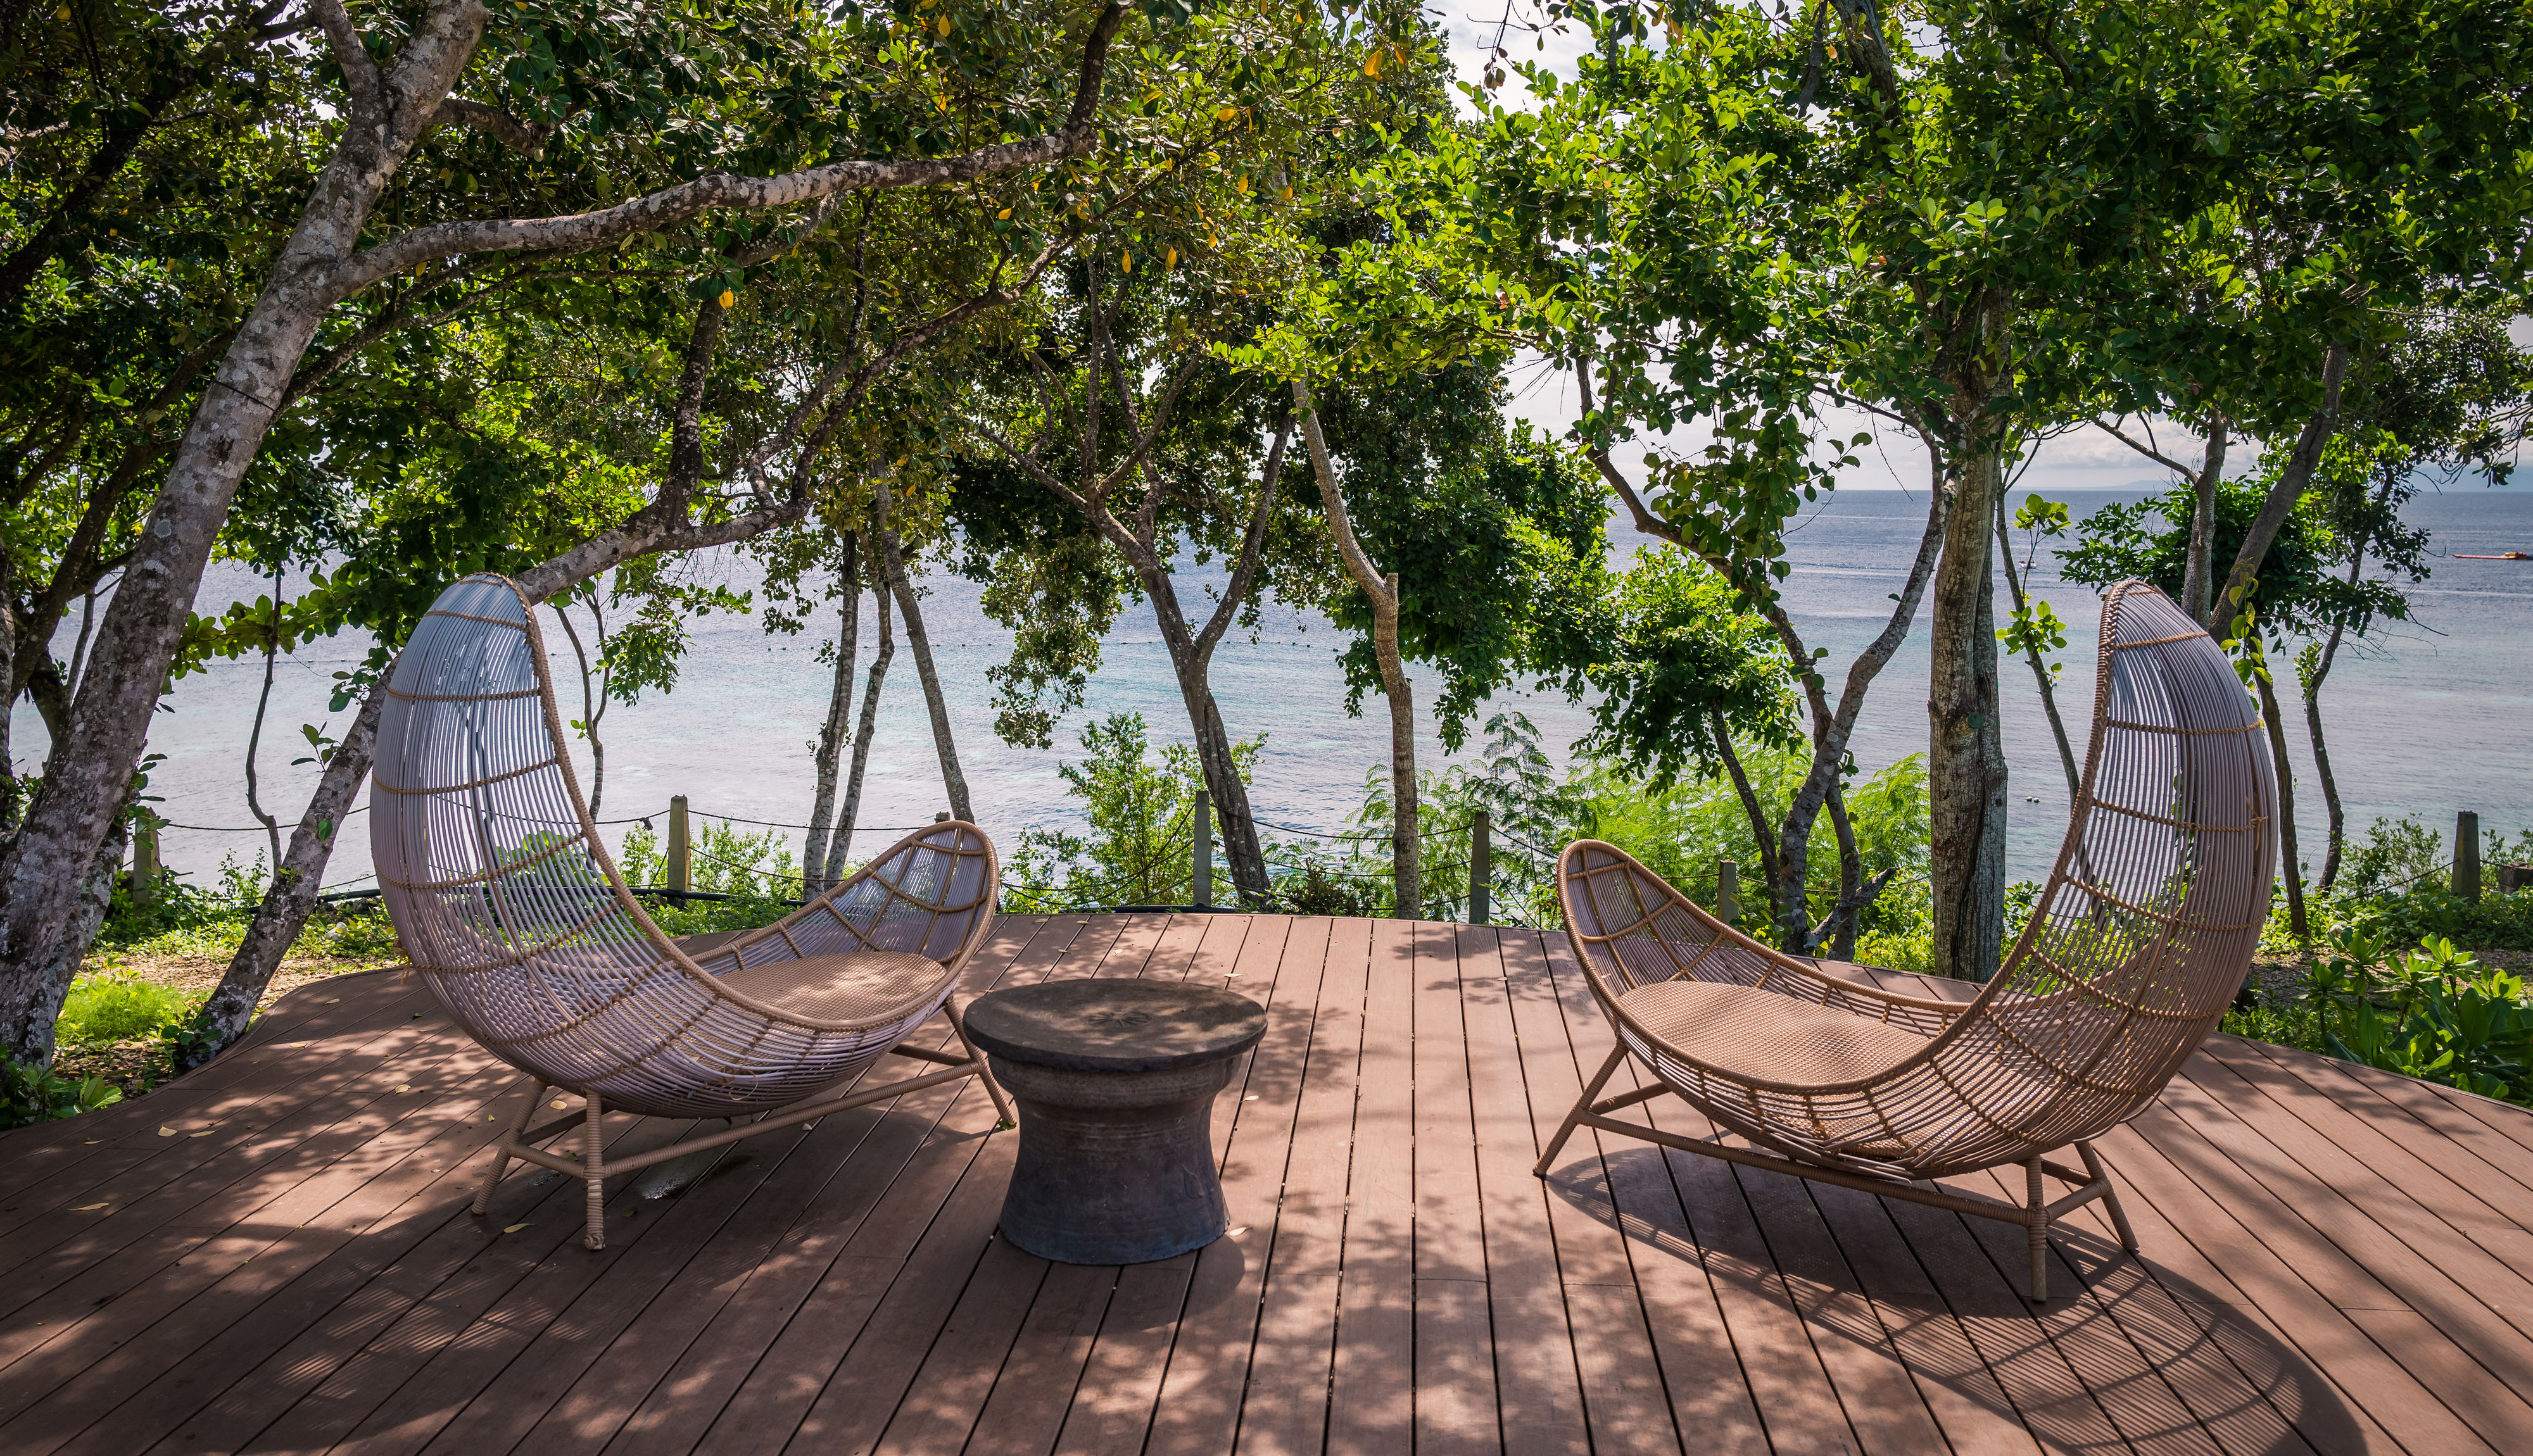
point(2134, 950)
point(518, 922)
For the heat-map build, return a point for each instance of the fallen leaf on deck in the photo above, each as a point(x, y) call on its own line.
point(555, 1104)
point(166, 1131)
point(88, 1207)
point(405, 1087)
point(514, 1228)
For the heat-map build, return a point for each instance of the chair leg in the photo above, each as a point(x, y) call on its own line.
point(1002, 1104)
point(2110, 1195)
point(1583, 1104)
point(502, 1149)
point(594, 1175)
point(2036, 1230)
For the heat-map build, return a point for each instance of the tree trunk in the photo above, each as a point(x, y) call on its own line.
point(1965, 762)
point(2202, 519)
point(842, 843)
point(954, 782)
point(1407, 830)
point(2282, 497)
point(94, 896)
point(1850, 880)
point(2040, 668)
point(1832, 728)
point(2322, 770)
point(2293, 872)
point(1191, 665)
point(2312, 685)
point(222, 1019)
point(1406, 840)
point(86, 784)
point(830, 749)
point(1750, 806)
point(255, 735)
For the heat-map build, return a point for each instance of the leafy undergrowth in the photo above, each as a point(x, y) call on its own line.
point(2436, 1013)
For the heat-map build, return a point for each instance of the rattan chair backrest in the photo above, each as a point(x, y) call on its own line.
point(2134, 950)
point(510, 907)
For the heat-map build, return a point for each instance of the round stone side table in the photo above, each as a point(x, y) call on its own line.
point(1115, 1081)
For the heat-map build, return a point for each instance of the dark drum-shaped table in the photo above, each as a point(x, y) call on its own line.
point(1115, 1081)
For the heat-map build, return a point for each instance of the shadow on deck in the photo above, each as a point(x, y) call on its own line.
point(275, 1254)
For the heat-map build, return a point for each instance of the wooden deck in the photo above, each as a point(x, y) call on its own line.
point(274, 1255)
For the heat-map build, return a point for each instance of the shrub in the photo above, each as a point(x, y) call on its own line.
point(35, 1095)
point(117, 1007)
point(1140, 843)
point(2434, 1012)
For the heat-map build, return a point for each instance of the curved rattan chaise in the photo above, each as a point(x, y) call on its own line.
point(2134, 950)
point(514, 914)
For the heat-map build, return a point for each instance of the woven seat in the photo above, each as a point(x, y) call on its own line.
point(839, 988)
point(2134, 950)
point(510, 907)
point(1761, 1037)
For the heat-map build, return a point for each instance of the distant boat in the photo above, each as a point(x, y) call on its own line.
point(2501, 557)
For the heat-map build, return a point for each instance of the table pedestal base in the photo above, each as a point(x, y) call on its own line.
point(1114, 1167)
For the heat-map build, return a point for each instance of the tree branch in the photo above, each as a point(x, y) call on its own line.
point(670, 205)
point(2151, 453)
point(2292, 479)
point(520, 137)
point(1253, 546)
point(360, 82)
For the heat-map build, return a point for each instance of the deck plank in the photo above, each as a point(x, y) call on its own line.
point(1562, 1041)
point(1298, 1313)
point(1539, 1390)
point(1454, 1370)
point(1372, 1399)
point(2335, 1260)
point(1281, 962)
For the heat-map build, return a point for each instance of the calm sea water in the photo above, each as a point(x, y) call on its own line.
point(2431, 718)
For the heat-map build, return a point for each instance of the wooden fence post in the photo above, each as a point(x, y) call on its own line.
point(1728, 892)
point(2467, 874)
point(1482, 867)
point(1200, 858)
point(144, 857)
point(681, 855)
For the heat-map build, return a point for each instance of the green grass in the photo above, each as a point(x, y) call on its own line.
point(118, 1005)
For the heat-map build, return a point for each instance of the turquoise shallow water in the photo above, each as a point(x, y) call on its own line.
point(2434, 719)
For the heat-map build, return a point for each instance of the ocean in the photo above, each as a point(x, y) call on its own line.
point(2430, 716)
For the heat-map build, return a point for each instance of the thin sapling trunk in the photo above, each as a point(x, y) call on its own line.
point(1406, 845)
point(593, 699)
point(954, 781)
point(844, 836)
point(832, 735)
point(255, 735)
point(2041, 674)
point(2310, 673)
point(2291, 870)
